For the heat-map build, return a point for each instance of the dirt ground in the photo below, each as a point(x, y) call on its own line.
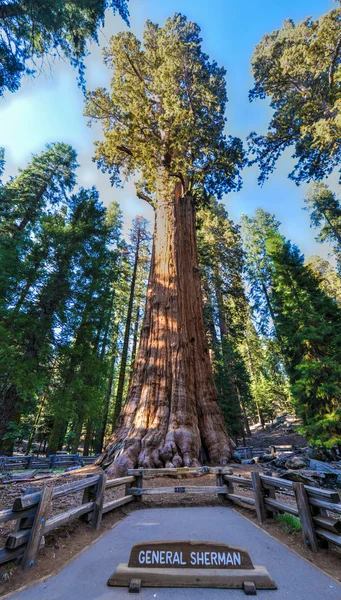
point(65, 543)
point(276, 435)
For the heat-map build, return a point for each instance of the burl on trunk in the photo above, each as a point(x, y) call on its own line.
point(171, 416)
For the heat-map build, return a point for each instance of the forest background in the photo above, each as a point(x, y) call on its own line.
point(73, 309)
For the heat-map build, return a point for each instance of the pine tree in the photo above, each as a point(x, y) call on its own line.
point(82, 372)
point(221, 260)
point(139, 241)
point(328, 278)
point(44, 183)
point(28, 299)
point(310, 326)
point(259, 267)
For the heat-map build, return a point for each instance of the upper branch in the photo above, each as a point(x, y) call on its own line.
point(332, 65)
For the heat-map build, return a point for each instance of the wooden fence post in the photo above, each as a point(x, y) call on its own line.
point(270, 493)
point(220, 482)
point(25, 522)
point(99, 500)
point(229, 484)
point(127, 489)
point(305, 516)
point(258, 494)
point(139, 484)
point(37, 529)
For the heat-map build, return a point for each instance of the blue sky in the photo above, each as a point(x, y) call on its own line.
point(49, 108)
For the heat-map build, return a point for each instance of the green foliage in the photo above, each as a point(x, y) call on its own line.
point(310, 327)
point(307, 327)
point(258, 266)
point(328, 278)
point(164, 116)
point(325, 213)
point(60, 256)
point(2, 162)
point(299, 69)
point(290, 523)
point(262, 347)
point(221, 261)
point(31, 31)
point(139, 255)
point(270, 387)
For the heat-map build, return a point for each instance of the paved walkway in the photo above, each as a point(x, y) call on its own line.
point(85, 578)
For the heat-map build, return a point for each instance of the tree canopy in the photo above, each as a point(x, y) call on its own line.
point(32, 31)
point(165, 113)
point(299, 69)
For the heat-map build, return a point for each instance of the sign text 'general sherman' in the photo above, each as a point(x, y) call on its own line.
point(189, 554)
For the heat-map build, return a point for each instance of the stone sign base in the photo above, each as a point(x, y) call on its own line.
point(193, 578)
point(192, 564)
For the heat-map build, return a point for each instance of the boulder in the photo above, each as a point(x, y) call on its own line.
point(237, 457)
point(297, 476)
point(280, 461)
point(320, 454)
point(296, 463)
point(265, 458)
point(322, 467)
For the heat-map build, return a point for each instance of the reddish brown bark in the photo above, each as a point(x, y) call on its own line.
point(171, 411)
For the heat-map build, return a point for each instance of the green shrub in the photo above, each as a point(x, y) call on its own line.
point(290, 523)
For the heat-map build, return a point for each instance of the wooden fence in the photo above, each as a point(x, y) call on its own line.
point(311, 505)
point(317, 509)
point(30, 513)
point(54, 461)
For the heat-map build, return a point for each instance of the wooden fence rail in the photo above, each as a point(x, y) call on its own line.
point(54, 461)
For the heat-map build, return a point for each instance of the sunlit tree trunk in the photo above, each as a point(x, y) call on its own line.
point(171, 412)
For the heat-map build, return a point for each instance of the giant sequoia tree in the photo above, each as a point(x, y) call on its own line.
point(163, 120)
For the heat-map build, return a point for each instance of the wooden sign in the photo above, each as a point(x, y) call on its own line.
point(189, 555)
point(190, 564)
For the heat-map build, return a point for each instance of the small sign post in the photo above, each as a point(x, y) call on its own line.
point(191, 564)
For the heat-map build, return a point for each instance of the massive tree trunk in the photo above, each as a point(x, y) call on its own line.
point(171, 412)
